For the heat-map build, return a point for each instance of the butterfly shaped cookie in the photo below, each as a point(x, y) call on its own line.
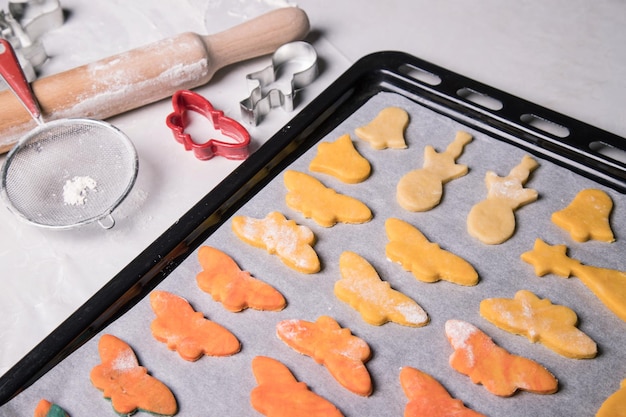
point(324, 205)
point(128, 385)
point(426, 260)
point(343, 354)
point(500, 372)
point(291, 242)
point(187, 331)
point(427, 397)
point(362, 288)
point(235, 289)
point(279, 394)
point(540, 321)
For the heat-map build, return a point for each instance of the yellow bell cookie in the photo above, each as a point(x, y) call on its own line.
point(587, 216)
point(341, 160)
point(386, 130)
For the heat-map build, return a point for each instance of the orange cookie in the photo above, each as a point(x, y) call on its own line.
point(540, 321)
point(343, 354)
point(614, 405)
point(324, 205)
point(609, 285)
point(127, 384)
point(492, 221)
point(499, 371)
point(187, 331)
point(427, 397)
point(234, 288)
point(292, 243)
point(421, 189)
point(341, 160)
point(279, 394)
point(362, 288)
point(427, 261)
point(386, 130)
point(46, 409)
point(587, 217)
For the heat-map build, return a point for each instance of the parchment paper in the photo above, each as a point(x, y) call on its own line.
point(221, 386)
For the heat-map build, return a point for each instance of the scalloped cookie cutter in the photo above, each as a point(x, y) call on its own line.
point(185, 101)
point(296, 58)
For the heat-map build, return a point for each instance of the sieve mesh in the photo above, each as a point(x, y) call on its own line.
point(38, 168)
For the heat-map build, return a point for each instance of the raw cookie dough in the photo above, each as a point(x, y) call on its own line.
point(291, 242)
point(341, 160)
point(421, 189)
point(426, 260)
point(378, 303)
point(540, 321)
point(386, 130)
point(343, 354)
point(324, 205)
point(499, 371)
point(492, 221)
point(587, 217)
point(609, 285)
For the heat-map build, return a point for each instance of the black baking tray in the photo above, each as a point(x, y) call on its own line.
point(575, 145)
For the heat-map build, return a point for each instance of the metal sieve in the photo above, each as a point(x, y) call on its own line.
point(64, 173)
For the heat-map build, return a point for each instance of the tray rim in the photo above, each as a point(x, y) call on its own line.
point(385, 71)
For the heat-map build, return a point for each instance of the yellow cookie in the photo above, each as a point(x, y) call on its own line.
point(609, 285)
point(492, 221)
point(421, 189)
point(587, 216)
point(362, 288)
point(324, 205)
point(386, 130)
point(540, 321)
point(614, 405)
point(341, 160)
point(426, 260)
point(291, 242)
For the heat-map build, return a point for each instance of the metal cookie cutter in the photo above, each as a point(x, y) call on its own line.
point(298, 59)
point(185, 101)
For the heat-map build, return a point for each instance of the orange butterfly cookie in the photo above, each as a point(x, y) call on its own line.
point(341, 160)
point(427, 261)
point(362, 288)
point(187, 331)
point(235, 289)
point(343, 354)
point(421, 189)
point(46, 409)
point(540, 321)
point(614, 405)
point(127, 384)
point(324, 205)
point(609, 285)
point(279, 394)
point(427, 397)
point(291, 242)
point(492, 221)
point(499, 371)
point(587, 217)
point(386, 130)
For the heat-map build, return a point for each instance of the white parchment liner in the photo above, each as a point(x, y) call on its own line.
point(221, 386)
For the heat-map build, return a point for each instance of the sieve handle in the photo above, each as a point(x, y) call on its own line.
point(12, 72)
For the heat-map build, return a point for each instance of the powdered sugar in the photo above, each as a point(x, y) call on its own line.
point(75, 190)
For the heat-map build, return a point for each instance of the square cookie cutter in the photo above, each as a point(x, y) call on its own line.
point(297, 60)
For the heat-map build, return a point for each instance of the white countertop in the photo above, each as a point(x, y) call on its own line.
point(566, 55)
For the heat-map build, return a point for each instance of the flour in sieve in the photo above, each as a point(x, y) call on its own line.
point(76, 189)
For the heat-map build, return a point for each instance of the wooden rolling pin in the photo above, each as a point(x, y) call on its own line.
point(147, 74)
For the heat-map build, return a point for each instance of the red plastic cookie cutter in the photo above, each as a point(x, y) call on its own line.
point(185, 101)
